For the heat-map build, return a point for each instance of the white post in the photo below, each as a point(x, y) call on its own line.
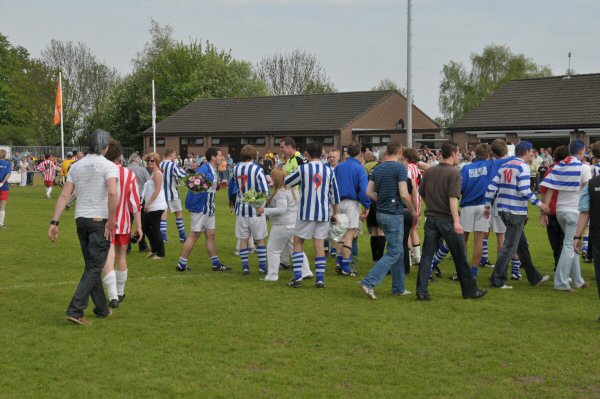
point(62, 131)
point(409, 135)
point(153, 119)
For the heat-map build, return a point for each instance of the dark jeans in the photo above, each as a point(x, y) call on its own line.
point(596, 255)
point(436, 228)
point(556, 236)
point(30, 178)
point(95, 250)
point(151, 229)
point(407, 226)
point(514, 242)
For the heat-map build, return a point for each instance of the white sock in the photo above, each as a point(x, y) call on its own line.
point(121, 280)
point(2, 215)
point(110, 280)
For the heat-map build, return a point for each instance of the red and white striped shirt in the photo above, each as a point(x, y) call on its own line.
point(129, 200)
point(414, 174)
point(48, 168)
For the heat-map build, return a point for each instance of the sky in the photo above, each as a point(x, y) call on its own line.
point(357, 42)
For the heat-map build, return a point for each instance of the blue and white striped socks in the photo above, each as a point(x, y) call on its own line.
point(244, 256)
point(215, 261)
point(180, 227)
point(183, 263)
point(485, 254)
point(586, 243)
point(163, 229)
point(320, 265)
point(440, 255)
point(516, 267)
point(262, 258)
point(297, 261)
point(346, 265)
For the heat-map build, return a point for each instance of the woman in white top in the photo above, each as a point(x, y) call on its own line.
point(154, 205)
point(23, 171)
point(282, 210)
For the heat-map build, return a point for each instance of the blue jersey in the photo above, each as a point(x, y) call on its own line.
point(248, 176)
point(171, 172)
point(5, 170)
point(204, 202)
point(475, 180)
point(318, 190)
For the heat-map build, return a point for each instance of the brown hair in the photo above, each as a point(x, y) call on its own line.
point(393, 149)
point(154, 156)
point(169, 151)
point(482, 151)
point(499, 148)
point(247, 153)
point(278, 176)
point(2, 154)
point(411, 155)
point(596, 150)
point(114, 151)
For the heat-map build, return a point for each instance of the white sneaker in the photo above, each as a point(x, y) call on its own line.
point(506, 287)
point(405, 292)
point(543, 280)
point(368, 291)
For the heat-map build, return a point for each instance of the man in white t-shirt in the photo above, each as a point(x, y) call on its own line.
point(95, 179)
point(570, 177)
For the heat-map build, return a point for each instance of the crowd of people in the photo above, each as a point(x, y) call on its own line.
point(327, 199)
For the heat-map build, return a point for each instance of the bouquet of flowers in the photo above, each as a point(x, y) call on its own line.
point(197, 183)
point(254, 198)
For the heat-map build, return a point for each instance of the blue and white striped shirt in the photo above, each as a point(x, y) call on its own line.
point(595, 170)
point(318, 189)
point(248, 175)
point(512, 186)
point(171, 172)
point(566, 176)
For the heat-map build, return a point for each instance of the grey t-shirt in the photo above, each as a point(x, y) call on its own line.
point(89, 175)
point(141, 173)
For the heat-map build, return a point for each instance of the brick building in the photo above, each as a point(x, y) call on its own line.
point(546, 111)
point(374, 118)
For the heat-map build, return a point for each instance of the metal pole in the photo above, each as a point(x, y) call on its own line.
point(153, 119)
point(62, 131)
point(409, 135)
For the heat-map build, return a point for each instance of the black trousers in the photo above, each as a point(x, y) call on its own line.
point(407, 227)
point(596, 255)
point(95, 251)
point(556, 236)
point(151, 229)
point(436, 228)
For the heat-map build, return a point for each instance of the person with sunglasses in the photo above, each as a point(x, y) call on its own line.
point(154, 205)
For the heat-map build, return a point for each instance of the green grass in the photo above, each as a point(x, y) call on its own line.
point(203, 334)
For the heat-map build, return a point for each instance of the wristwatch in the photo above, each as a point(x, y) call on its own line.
point(54, 222)
point(577, 238)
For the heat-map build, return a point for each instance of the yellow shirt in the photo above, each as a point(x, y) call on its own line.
point(65, 166)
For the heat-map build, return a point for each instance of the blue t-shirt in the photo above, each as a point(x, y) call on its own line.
point(5, 170)
point(386, 177)
point(475, 180)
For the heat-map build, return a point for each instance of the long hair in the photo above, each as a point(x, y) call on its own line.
point(278, 177)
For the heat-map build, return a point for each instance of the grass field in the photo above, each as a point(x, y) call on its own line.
point(223, 335)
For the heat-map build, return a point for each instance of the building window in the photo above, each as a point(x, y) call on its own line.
point(252, 141)
point(429, 136)
point(192, 141)
point(160, 141)
point(375, 139)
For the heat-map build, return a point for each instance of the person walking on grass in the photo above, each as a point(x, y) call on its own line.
point(570, 178)
point(248, 175)
point(129, 205)
point(95, 179)
point(589, 208)
point(5, 170)
point(352, 181)
point(440, 190)
point(48, 169)
point(388, 187)
point(154, 206)
point(282, 210)
point(172, 171)
point(202, 206)
point(511, 188)
point(319, 199)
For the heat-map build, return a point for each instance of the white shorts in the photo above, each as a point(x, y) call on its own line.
point(497, 225)
point(352, 209)
point(471, 219)
point(255, 226)
point(202, 222)
point(309, 229)
point(174, 205)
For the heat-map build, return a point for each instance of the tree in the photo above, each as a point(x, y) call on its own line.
point(387, 85)
point(462, 90)
point(86, 85)
point(297, 72)
point(183, 72)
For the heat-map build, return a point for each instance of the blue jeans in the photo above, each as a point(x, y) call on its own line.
point(514, 242)
point(393, 228)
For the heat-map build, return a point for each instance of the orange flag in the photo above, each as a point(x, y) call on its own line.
point(58, 107)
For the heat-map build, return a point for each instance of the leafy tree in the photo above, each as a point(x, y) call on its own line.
point(461, 90)
point(297, 72)
point(388, 84)
point(183, 72)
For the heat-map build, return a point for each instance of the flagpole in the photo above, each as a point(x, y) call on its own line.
point(153, 119)
point(409, 96)
point(62, 132)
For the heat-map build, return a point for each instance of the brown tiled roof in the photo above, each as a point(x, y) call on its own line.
point(317, 112)
point(544, 103)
